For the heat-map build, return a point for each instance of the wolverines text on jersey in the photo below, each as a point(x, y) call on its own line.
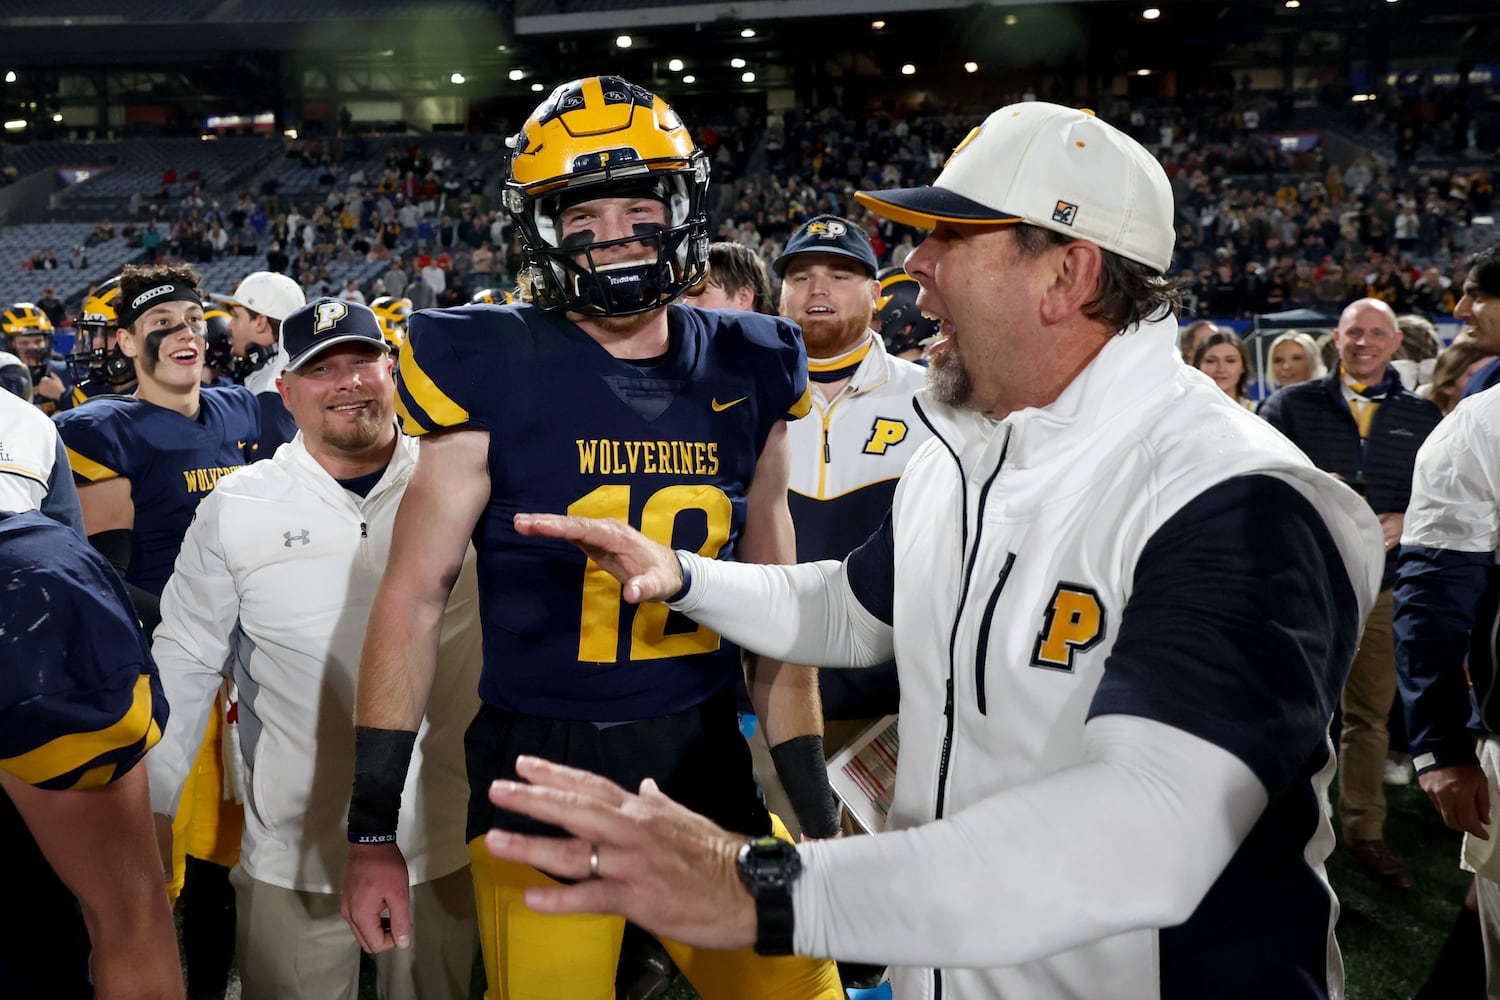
point(669, 446)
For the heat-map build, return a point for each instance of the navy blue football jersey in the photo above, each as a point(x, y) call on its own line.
point(669, 447)
point(80, 704)
point(171, 461)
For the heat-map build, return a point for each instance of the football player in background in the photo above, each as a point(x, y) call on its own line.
point(142, 463)
point(674, 419)
point(906, 329)
point(392, 313)
point(29, 336)
point(97, 364)
point(88, 918)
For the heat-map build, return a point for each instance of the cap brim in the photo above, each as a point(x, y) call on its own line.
point(324, 345)
point(925, 207)
point(778, 266)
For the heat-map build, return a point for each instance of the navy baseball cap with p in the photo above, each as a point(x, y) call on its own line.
point(828, 234)
point(322, 323)
point(1055, 167)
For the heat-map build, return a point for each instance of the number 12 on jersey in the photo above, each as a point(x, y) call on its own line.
point(603, 603)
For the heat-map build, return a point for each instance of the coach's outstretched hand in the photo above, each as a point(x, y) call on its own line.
point(643, 856)
point(647, 570)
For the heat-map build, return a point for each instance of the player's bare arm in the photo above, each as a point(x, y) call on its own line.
point(107, 505)
point(448, 491)
point(100, 842)
point(785, 695)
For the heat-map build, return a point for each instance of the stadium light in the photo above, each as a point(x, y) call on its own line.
point(1293, 4)
point(1143, 72)
point(675, 65)
point(689, 78)
point(15, 125)
point(1151, 13)
point(537, 87)
point(10, 77)
point(624, 42)
point(1010, 20)
point(878, 25)
point(457, 78)
point(747, 77)
point(747, 32)
point(908, 69)
point(516, 74)
point(57, 117)
point(971, 67)
point(737, 63)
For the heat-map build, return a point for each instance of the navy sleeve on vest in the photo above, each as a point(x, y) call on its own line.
point(1437, 591)
point(1240, 627)
point(277, 426)
point(1485, 378)
point(871, 570)
point(61, 503)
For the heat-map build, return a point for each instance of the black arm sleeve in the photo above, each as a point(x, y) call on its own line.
point(115, 546)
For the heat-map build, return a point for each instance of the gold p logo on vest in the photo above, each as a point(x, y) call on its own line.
point(1074, 622)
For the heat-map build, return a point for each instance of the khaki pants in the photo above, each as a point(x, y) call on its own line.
point(1368, 696)
point(296, 944)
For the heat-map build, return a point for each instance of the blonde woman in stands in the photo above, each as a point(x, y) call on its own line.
point(1295, 358)
point(1222, 357)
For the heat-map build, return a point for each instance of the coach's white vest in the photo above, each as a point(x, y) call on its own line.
point(1073, 492)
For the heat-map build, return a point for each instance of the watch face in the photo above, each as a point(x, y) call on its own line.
point(767, 864)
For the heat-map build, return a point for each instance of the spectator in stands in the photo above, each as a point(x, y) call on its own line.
point(1222, 357)
point(1192, 336)
point(53, 306)
point(1294, 358)
point(1361, 424)
point(1432, 294)
point(351, 292)
point(482, 260)
point(434, 276)
point(1455, 366)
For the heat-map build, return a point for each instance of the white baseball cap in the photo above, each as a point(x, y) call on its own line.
point(1051, 166)
point(268, 293)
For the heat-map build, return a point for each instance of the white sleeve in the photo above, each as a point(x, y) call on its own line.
point(804, 613)
point(1456, 483)
point(1132, 838)
point(199, 612)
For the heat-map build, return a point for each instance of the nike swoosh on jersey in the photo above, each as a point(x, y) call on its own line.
point(719, 407)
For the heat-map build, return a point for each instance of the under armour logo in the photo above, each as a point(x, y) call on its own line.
point(290, 538)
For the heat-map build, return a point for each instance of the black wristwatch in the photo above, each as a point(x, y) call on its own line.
point(768, 867)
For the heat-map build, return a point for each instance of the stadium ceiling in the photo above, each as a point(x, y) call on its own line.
point(505, 48)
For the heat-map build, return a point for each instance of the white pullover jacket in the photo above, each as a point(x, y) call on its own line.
point(278, 572)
